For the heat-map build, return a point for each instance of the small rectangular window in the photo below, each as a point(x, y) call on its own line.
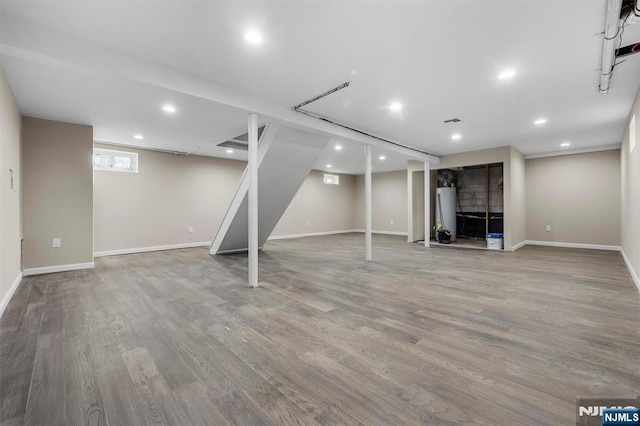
point(115, 161)
point(331, 179)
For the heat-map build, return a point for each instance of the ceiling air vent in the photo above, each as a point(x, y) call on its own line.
point(453, 120)
point(240, 142)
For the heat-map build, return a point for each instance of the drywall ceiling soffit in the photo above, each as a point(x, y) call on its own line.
point(442, 62)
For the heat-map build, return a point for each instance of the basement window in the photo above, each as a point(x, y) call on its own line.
point(115, 161)
point(331, 179)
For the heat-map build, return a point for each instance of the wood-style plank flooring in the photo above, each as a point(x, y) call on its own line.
point(419, 336)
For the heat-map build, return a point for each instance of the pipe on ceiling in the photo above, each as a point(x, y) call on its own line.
point(616, 18)
point(611, 31)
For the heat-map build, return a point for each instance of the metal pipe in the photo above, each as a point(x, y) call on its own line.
point(611, 31)
point(322, 95)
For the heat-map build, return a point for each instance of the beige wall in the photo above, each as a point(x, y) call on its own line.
point(157, 205)
point(10, 220)
point(57, 193)
point(630, 199)
point(319, 208)
point(388, 199)
point(578, 195)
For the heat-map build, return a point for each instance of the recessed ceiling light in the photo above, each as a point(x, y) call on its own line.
point(395, 106)
point(229, 151)
point(540, 121)
point(508, 73)
point(138, 137)
point(382, 157)
point(338, 147)
point(328, 166)
point(565, 144)
point(168, 108)
point(253, 37)
point(456, 136)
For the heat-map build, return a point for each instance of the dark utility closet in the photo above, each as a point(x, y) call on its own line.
point(475, 194)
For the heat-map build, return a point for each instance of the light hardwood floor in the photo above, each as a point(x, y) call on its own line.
point(419, 336)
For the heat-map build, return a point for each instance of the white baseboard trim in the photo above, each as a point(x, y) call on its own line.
point(12, 290)
point(57, 268)
point(519, 245)
point(310, 234)
point(634, 275)
point(373, 231)
point(572, 245)
point(148, 249)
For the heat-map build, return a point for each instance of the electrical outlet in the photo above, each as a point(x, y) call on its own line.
point(57, 242)
point(191, 229)
point(308, 223)
point(548, 228)
point(392, 221)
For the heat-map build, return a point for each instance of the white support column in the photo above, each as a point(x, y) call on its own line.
point(253, 200)
point(427, 203)
point(367, 202)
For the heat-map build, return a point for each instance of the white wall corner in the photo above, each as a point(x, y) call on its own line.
point(634, 274)
point(7, 297)
point(57, 268)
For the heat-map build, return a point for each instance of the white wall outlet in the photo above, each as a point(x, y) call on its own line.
point(191, 229)
point(548, 228)
point(308, 223)
point(391, 221)
point(57, 242)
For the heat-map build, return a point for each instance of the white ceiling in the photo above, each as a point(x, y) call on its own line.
point(112, 64)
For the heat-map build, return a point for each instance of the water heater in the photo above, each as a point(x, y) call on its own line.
point(445, 203)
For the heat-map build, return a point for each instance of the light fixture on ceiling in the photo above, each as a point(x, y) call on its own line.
point(506, 74)
point(456, 136)
point(229, 151)
point(540, 121)
point(329, 166)
point(565, 144)
point(338, 147)
point(168, 108)
point(139, 137)
point(253, 37)
point(395, 106)
point(382, 157)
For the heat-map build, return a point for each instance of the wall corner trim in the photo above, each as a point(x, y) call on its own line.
point(519, 245)
point(634, 274)
point(57, 268)
point(153, 248)
point(572, 245)
point(12, 290)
